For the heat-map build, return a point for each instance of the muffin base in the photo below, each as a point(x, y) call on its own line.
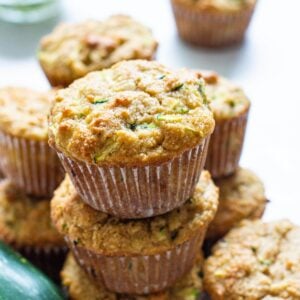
point(141, 192)
point(211, 29)
point(142, 274)
point(226, 145)
point(32, 165)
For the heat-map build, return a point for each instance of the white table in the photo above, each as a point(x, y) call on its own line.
point(267, 65)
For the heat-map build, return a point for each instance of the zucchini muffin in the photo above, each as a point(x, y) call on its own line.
point(73, 50)
point(213, 23)
point(242, 196)
point(256, 261)
point(81, 287)
point(25, 224)
point(230, 107)
point(25, 156)
point(135, 256)
point(133, 138)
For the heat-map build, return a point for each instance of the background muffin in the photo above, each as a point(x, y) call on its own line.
point(212, 23)
point(25, 224)
point(135, 256)
point(133, 138)
point(81, 287)
point(73, 50)
point(256, 260)
point(230, 107)
point(242, 196)
point(25, 156)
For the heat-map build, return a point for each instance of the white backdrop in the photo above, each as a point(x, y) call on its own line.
point(267, 65)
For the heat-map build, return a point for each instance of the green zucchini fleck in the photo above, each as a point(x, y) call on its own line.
point(100, 101)
point(171, 118)
point(161, 77)
point(146, 126)
point(177, 87)
point(182, 110)
point(201, 90)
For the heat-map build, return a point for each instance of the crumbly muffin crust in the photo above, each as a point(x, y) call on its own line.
point(227, 100)
point(73, 50)
point(242, 196)
point(136, 113)
point(256, 261)
point(100, 232)
point(81, 287)
point(23, 112)
point(25, 221)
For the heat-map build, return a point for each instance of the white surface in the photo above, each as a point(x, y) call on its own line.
point(267, 65)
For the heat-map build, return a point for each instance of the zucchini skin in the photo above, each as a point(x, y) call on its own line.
point(19, 279)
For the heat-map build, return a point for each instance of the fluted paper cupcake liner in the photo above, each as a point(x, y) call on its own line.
point(142, 274)
point(31, 165)
point(211, 29)
point(226, 145)
point(131, 193)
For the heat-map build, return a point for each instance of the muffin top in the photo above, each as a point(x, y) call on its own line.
point(219, 5)
point(256, 260)
point(242, 196)
point(73, 50)
point(80, 286)
point(25, 221)
point(227, 100)
point(136, 113)
point(23, 112)
point(105, 234)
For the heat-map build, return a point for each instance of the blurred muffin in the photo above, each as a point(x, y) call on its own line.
point(230, 107)
point(256, 261)
point(82, 287)
point(73, 50)
point(25, 224)
point(135, 256)
point(242, 196)
point(213, 23)
point(133, 138)
point(25, 156)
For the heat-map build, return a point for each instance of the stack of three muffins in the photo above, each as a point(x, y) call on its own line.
point(133, 140)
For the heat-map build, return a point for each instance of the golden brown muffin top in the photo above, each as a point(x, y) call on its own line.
point(105, 234)
point(136, 113)
point(77, 49)
point(25, 221)
point(256, 261)
point(81, 287)
point(218, 5)
point(227, 100)
point(24, 112)
point(242, 196)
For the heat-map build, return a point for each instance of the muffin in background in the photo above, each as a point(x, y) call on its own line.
point(82, 287)
point(230, 107)
point(255, 261)
point(73, 50)
point(135, 256)
point(25, 224)
point(25, 156)
point(133, 138)
point(242, 196)
point(213, 23)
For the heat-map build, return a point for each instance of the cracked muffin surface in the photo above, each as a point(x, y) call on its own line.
point(133, 114)
point(256, 261)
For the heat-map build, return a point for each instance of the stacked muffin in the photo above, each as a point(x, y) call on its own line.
point(32, 170)
point(134, 207)
point(242, 194)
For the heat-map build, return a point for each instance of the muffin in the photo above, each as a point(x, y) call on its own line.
point(81, 287)
point(133, 138)
point(255, 261)
point(213, 23)
point(25, 224)
point(25, 156)
point(73, 50)
point(242, 196)
point(135, 256)
point(230, 107)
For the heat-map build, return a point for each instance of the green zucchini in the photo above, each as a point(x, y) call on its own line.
point(19, 279)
